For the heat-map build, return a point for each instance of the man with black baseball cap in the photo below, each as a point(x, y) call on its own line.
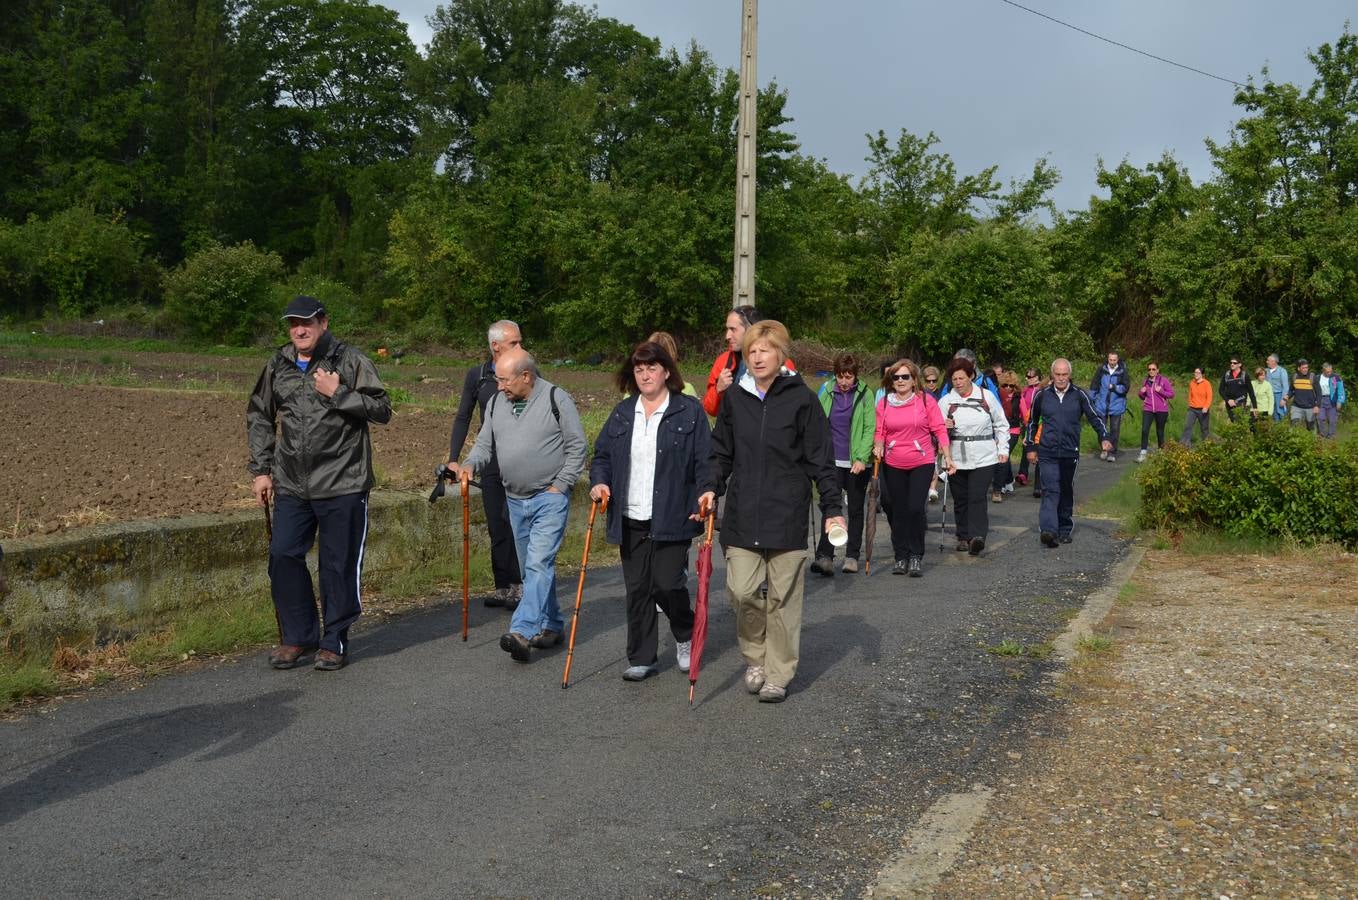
point(316, 467)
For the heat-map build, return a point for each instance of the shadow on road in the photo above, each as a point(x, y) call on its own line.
point(129, 747)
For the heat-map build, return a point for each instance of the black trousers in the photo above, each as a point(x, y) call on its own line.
point(1159, 418)
point(909, 508)
point(504, 559)
point(857, 488)
point(1113, 425)
point(1003, 474)
point(343, 525)
point(971, 498)
point(655, 573)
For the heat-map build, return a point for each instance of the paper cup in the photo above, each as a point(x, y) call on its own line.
point(838, 535)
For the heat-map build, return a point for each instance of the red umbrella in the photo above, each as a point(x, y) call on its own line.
point(699, 638)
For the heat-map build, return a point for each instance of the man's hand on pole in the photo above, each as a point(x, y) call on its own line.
point(263, 489)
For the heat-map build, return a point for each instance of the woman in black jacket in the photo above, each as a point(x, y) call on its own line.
point(647, 461)
point(771, 441)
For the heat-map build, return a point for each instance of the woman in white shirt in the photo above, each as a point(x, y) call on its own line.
point(979, 433)
point(646, 462)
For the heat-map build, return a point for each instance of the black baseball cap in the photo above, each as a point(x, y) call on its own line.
point(304, 307)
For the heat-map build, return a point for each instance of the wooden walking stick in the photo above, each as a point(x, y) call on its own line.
point(268, 531)
point(466, 481)
point(594, 508)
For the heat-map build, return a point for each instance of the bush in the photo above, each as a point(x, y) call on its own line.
point(1278, 481)
point(75, 261)
point(346, 310)
point(225, 294)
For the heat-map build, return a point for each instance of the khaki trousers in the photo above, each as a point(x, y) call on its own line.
point(769, 628)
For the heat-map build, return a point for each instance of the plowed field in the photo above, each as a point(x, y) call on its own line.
point(94, 436)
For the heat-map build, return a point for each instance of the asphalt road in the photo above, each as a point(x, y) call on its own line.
point(429, 767)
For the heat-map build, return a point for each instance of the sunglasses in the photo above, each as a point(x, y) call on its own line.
point(898, 377)
point(931, 381)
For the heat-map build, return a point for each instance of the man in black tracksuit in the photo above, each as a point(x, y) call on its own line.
point(307, 427)
point(1055, 425)
point(477, 390)
point(1236, 390)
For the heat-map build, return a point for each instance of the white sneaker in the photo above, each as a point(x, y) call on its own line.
point(684, 650)
point(1103, 454)
point(754, 679)
point(772, 693)
point(1141, 457)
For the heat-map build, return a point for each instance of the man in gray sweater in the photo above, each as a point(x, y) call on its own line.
point(533, 429)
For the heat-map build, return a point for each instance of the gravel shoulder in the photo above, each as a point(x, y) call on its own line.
point(1212, 751)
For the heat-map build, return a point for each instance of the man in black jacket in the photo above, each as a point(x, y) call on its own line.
point(1236, 391)
point(1055, 425)
point(317, 467)
point(477, 390)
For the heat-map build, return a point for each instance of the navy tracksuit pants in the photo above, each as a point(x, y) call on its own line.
point(1058, 494)
point(343, 525)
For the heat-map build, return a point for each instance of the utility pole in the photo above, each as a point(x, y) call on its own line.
point(743, 282)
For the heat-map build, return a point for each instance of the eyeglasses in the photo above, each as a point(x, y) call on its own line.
point(902, 376)
point(1235, 362)
point(1032, 375)
point(1152, 369)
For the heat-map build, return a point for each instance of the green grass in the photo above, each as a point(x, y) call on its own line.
point(1095, 644)
point(221, 629)
point(1013, 649)
point(128, 345)
point(1120, 501)
point(20, 680)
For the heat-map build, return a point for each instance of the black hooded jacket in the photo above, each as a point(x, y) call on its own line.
point(771, 450)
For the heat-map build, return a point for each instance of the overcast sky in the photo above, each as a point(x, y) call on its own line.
point(998, 85)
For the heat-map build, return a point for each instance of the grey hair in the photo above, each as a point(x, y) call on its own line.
point(966, 354)
point(1273, 356)
point(1060, 359)
point(496, 332)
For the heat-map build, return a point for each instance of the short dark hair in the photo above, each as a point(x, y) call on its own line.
point(645, 353)
point(846, 362)
point(963, 364)
point(748, 314)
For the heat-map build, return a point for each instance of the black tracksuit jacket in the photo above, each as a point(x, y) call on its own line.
point(771, 450)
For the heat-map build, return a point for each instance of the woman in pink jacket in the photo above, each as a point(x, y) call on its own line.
point(1032, 384)
point(909, 426)
point(1155, 394)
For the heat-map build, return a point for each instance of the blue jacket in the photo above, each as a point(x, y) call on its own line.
point(683, 447)
point(1336, 395)
point(1060, 422)
point(1109, 390)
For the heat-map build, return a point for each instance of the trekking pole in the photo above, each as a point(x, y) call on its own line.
point(594, 508)
point(268, 531)
point(943, 518)
point(466, 548)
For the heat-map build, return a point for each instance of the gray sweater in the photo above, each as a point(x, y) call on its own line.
point(534, 450)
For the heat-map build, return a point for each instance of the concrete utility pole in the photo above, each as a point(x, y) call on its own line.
point(743, 282)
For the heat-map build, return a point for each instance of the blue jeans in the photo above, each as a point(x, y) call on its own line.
point(539, 524)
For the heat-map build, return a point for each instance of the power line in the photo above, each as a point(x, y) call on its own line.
point(1120, 44)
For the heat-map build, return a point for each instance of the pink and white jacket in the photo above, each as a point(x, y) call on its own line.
point(908, 432)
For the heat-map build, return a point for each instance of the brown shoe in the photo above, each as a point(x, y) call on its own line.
point(288, 656)
point(545, 638)
point(328, 661)
point(962, 545)
point(516, 645)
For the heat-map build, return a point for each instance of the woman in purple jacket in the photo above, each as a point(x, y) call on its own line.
point(1154, 394)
